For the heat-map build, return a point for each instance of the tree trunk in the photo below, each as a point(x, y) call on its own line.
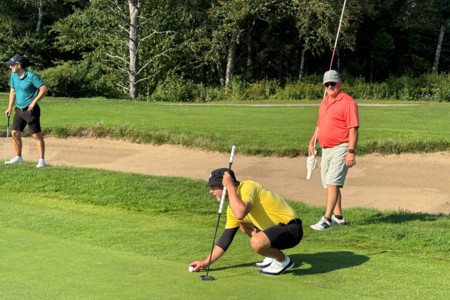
point(220, 72)
point(302, 64)
point(371, 68)
point(231, 57)
point(280, 64)
point(135, 7)
point(40, 16)
point(249, 69)
point(438, 50)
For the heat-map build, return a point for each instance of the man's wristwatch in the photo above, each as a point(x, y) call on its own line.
point(352, 151)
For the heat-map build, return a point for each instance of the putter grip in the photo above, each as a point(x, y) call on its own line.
point(233, 150)
point(224, 191)
point(222, 199)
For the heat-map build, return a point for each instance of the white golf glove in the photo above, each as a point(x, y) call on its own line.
point(311, 164)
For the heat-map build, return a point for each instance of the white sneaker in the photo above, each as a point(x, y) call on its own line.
point(337, 221)
point(14, 160)
point(321, 225)
point(277, 268)
point(41, 163)
point(265, 263)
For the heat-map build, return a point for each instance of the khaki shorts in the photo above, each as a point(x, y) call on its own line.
point(332, 165)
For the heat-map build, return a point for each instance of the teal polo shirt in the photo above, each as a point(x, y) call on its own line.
point(26, 88)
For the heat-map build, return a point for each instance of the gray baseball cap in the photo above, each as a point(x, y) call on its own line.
point(331, 76)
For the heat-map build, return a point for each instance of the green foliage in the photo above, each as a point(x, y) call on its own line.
point(72, 79)
point(299, 91)
point(175, 89)
point(361, 89)
point(382, 50)
point(196, 41)
point(264, 89)
point(423, 88)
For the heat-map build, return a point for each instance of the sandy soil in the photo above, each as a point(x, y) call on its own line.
point(413, 182)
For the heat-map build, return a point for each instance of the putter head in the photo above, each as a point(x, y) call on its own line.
point(206, 278)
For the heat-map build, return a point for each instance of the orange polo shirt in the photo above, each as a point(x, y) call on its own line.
point(335, 120)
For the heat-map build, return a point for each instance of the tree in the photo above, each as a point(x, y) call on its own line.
point(228, 19)
point(114, 35)
point(444, 13)
point(236, 21)
point(317, 23)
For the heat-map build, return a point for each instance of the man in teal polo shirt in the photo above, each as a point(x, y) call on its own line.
point(27, 89)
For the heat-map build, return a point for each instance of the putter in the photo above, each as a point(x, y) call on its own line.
point(208, 277)
point(7, 138)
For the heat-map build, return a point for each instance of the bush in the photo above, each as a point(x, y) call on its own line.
point(77, 80)
point(298, 91)
point(263, 90)
point(176, 89)
point(84, 80)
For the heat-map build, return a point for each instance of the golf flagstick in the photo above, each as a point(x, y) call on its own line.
point(337, 34)
point(336, 40)
point(222, 200)
point(7, 140)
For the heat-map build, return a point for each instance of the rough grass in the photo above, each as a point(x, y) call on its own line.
point(257, 130)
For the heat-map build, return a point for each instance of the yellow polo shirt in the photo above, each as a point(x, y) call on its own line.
point(268, 209)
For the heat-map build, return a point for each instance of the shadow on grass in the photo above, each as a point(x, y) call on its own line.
point(401, 217)
point(318, 263)
point(252, 264)
point(324, 262)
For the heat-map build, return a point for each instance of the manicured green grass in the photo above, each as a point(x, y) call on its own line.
point(71, 233)
point(257, 130)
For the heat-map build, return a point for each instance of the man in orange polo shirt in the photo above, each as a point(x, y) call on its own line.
point(337, 134)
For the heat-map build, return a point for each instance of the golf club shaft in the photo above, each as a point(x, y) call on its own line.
point(222, 200)
point(7, 139)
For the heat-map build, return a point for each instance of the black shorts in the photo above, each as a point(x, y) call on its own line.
point(285, 236)
point(22, 118)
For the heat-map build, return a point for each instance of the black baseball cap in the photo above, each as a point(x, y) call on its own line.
point(17, 59)
point(216, 177)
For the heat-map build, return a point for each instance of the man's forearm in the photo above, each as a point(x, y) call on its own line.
point(352, 138)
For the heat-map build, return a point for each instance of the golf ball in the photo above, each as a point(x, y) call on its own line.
point(191, 269)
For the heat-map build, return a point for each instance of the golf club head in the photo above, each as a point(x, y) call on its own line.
point(206, 278)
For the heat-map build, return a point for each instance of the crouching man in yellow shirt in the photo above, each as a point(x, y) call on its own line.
point(265, 217)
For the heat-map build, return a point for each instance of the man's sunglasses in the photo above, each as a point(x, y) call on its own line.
point(327, 84)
